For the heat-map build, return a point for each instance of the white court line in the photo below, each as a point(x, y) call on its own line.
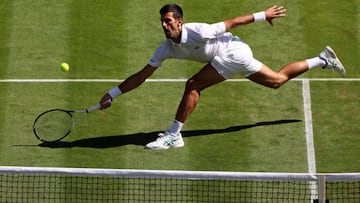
point(156, 80)
point(309, 137)
point(308, 127)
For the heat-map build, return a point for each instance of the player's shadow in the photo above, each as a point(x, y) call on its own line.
point(143, 138)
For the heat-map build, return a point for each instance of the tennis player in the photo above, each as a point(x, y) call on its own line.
point(224, 56)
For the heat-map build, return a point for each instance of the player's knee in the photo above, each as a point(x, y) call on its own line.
point(276, 84)
point(191, 86)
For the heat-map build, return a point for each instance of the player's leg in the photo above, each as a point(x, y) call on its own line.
point(206, 77)
point(172, 138)
point(326, 59)
point(272, 79)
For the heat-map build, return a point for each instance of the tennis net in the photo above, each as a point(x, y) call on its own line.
point(34, 184)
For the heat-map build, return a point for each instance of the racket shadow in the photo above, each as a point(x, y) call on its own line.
point(142, 139)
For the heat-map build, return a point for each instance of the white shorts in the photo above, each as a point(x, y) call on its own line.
point(236, 58)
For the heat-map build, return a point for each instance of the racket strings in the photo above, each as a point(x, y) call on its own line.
point(53, 125)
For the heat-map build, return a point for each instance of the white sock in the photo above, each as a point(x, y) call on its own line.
point(315, 62)
point(176, 127)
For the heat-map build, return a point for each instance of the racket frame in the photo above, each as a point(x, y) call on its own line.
point(70, 112)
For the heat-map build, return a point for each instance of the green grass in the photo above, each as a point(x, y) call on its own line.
point(236, 126)
point(336, 146)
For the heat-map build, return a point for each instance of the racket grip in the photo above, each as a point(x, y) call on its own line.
point(95, 107)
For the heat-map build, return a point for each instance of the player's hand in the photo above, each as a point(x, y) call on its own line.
point(274, 12)
point(105, 101)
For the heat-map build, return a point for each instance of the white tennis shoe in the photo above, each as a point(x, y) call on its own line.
point(332, 61)
point(166, 141)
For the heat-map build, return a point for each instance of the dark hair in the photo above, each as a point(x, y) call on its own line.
point(177, 10)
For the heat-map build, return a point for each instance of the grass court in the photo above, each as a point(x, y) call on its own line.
point(237, 126)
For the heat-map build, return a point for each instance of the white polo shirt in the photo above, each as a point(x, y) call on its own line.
point(210, 43)
point(199, 42)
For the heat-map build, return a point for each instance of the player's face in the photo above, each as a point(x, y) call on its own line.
point(171, 26)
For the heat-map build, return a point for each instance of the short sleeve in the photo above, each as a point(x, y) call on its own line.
point(211, 31)
point(160, 55)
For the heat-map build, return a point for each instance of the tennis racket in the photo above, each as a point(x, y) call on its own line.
point(55, 124)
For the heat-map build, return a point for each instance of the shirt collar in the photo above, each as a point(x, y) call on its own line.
point(184, 37)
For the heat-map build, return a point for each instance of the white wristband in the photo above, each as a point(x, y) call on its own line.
point(114, 92)
point(259, 16)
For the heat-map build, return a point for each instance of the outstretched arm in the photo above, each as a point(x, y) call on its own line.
point(130, 83)
point(268, 15)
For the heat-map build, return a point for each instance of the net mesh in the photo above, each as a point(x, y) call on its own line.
point(25, 187)
point(343, 191)
point(22, 188)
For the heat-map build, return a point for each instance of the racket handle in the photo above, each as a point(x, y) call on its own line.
point(95, 107)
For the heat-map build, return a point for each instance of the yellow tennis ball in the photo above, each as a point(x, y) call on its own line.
point(65, 67)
